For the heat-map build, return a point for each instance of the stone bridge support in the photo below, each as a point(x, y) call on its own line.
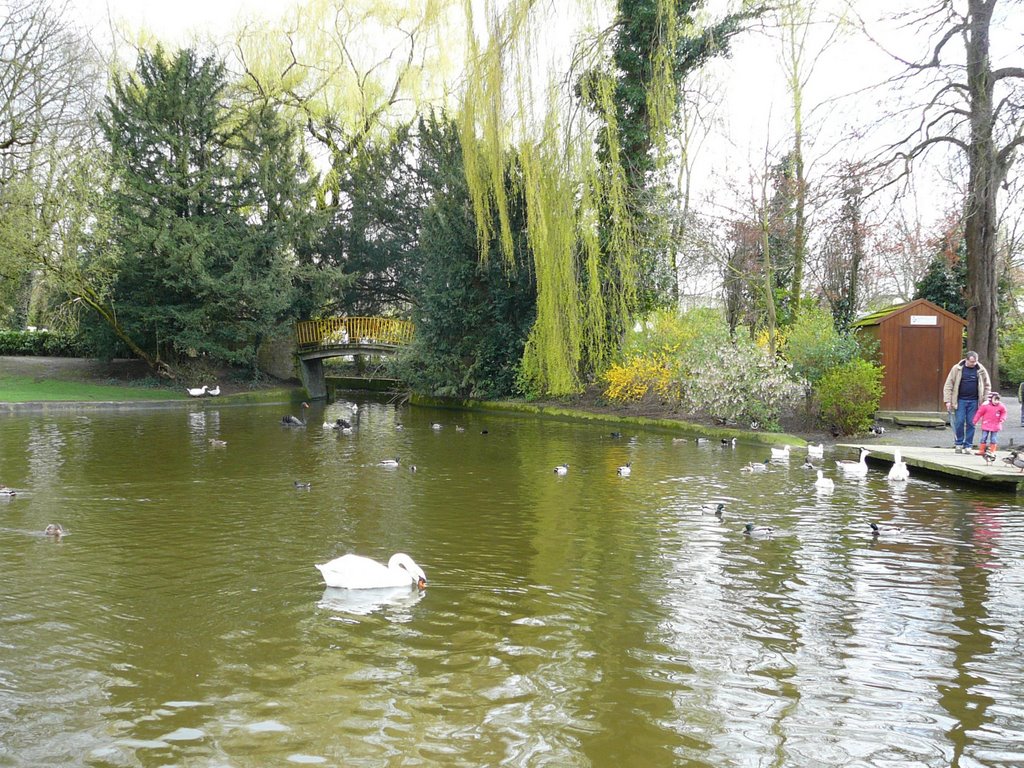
point(312, 374)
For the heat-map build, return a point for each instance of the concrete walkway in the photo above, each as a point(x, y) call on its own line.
point(934, 437)
point(931, 449)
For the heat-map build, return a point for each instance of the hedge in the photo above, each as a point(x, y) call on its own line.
point(42, 344)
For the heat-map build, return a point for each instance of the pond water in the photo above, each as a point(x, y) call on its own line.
point(584, 620)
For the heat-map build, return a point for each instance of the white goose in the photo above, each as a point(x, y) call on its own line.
point(823, 483)
point(855, 468)
point(357, 572)
point(781, 454)
point(898, 472)
point(197, 391)
point(816, 451)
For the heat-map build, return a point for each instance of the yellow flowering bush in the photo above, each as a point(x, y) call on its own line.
point(637, 377)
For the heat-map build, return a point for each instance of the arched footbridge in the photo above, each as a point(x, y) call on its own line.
point(327, 337)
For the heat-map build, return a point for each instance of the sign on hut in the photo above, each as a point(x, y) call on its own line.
point(918, 342)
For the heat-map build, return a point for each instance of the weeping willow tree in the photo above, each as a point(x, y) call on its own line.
point(592, 148)
point(352, 72)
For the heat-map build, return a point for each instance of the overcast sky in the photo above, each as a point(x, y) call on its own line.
point(755, 115)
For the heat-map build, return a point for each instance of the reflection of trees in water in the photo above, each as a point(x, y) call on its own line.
point(973, 639)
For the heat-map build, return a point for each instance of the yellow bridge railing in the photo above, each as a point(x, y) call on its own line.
point(353, 331)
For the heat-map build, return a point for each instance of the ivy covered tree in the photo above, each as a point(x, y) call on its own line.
point(944, 284)
point(212, 204)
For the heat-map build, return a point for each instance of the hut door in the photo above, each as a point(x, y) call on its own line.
point(920, 372)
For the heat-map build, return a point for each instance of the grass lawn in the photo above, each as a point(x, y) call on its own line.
point(28, 389)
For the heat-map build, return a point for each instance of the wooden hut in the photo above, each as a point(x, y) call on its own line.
point(918, 342)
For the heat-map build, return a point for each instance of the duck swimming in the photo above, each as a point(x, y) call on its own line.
point(357, 572)
point(625, 470)
point(781, 454)
point(713, 509)
point(758, 531)
point(877, 530)
point(5, 491)
point(816, 451)
point(388, 462)
point(562, 469)
point(756, 466)
point(54, 529)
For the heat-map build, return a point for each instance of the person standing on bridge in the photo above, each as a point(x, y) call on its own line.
point(967, 384)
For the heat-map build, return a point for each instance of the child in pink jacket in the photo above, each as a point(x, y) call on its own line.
point(991, 415)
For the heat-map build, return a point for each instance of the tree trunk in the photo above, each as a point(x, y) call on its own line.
point(158, 367)
point(983, 184)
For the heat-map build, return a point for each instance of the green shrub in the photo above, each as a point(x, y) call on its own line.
point(814, 347)
point(668, 331)
point(41, 344)
point(849, 396)
point(1011, 355)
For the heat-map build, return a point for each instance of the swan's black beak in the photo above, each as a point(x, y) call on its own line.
point(421, 583)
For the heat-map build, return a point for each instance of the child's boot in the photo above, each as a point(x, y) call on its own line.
point(981, 448)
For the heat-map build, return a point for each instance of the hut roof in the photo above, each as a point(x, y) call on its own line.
point(882, 314)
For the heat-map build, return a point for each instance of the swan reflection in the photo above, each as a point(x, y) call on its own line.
point(362, 602)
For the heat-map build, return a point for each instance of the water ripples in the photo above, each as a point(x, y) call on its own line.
point(588, 619)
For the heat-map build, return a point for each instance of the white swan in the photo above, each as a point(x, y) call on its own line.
point(855, 468)
point(197, 391)
point(781, 454)
point(215, 392)
point(357, 572)
point(824, 483)
point(898, 472)
point(816, 451)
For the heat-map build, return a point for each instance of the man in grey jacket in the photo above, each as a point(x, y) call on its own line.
point(967, 384)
